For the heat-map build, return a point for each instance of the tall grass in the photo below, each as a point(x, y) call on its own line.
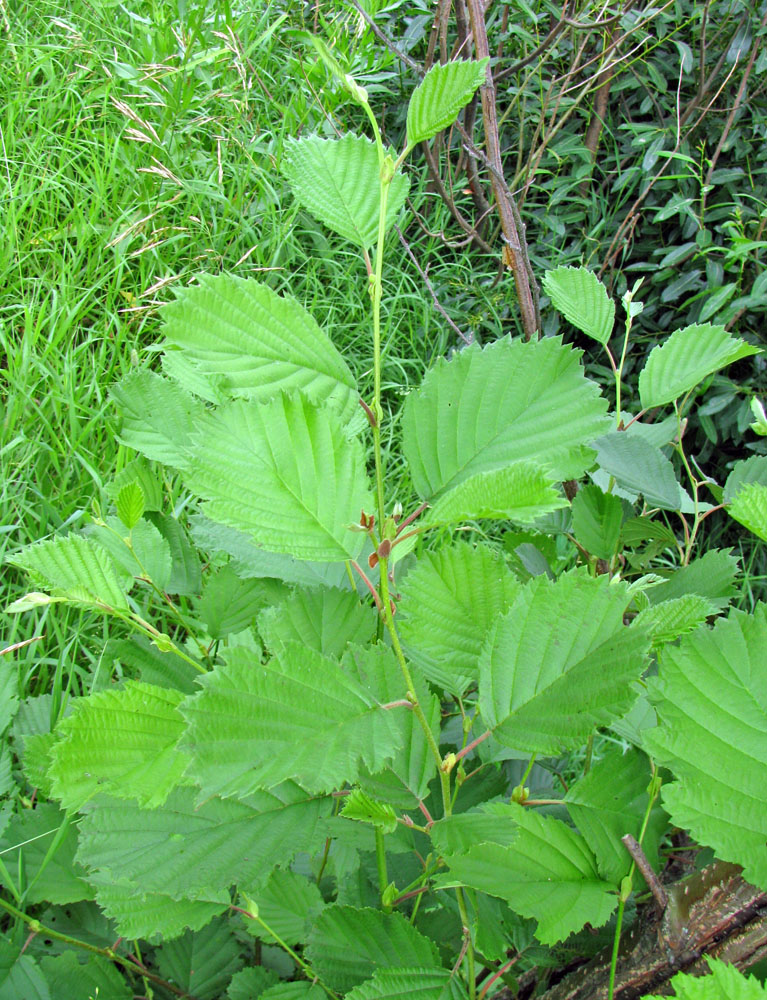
point(141, 145)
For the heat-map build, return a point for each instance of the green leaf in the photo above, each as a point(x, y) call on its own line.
point(547, 873)
point(165, 670)
point(288, 903)
point(418, 984)
point(404, 782)
point(130, 504)
point(252, 982)
point(642, 529)
point(324, 619)
point(436, 101)
point(752, 470)
point(142, 554)
point(152, 553)
point(257, 343)
point(347, 945)
point(668, 620)
point(300, 990)
point(42, 843)
point(71, 979)
point(283, 472)
point(749, 508)
point(611, 801)
point(250, 561)
point(449, 601)
point(360, 807)
point(298, 716)
point(711, 576)
point(121, 743)
point(597, 520)
point(153, 915)
point(724, 983)
point(338, 181)
point(520, 492)
point(488, 408)
point(185, 573)
point(184, 369)
point(582, 299)
point(229, 604)
point(686, 358)
point(638, 466)
point(559, 663)
point(189, 850)
point(76, 567)
point(158, 417)
point(138, 471)
point(20, 975)
point(712, 733)
point(201, 962)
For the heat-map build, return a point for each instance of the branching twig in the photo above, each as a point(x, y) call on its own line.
point(515, 251)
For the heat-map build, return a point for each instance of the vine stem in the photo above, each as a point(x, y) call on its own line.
point(109, 953)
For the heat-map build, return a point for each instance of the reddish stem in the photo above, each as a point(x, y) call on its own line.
point(369, 585)
point(469, 747)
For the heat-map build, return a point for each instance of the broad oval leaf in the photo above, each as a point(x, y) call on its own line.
point(521, 492)
point(547, 872)
point(597, 520)
point(338, 181)
point(20, 975)
point(582, 299)
point(187, 849)
point(559, 663)
point(285, 473)
point(121, 743)
point(346, 945)
point(298, 716)
point(640, 467)
point(488, 408)
point(712, 576)
point(288, 903)
point(76, 567)
point(416, 984)
point(201, 962)
point(749, 508)
point(668, 620)
point(711, 699)
point(685, 359)
point(158, 417)
point(751, 470)
point(154, 914)
point(436, 101)
point(68, 977)
point(610, 801)
point(323, 618)
point(450, 599)
point(257, 343)
point(404, 781)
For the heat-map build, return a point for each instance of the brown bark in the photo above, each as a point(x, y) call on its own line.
point(714, 912)
point(514, 251)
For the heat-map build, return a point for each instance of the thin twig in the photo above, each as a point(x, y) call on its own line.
point(640, 860)
point(515, 251)
point(437, 304)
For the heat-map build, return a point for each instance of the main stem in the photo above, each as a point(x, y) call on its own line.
point(388, 169)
